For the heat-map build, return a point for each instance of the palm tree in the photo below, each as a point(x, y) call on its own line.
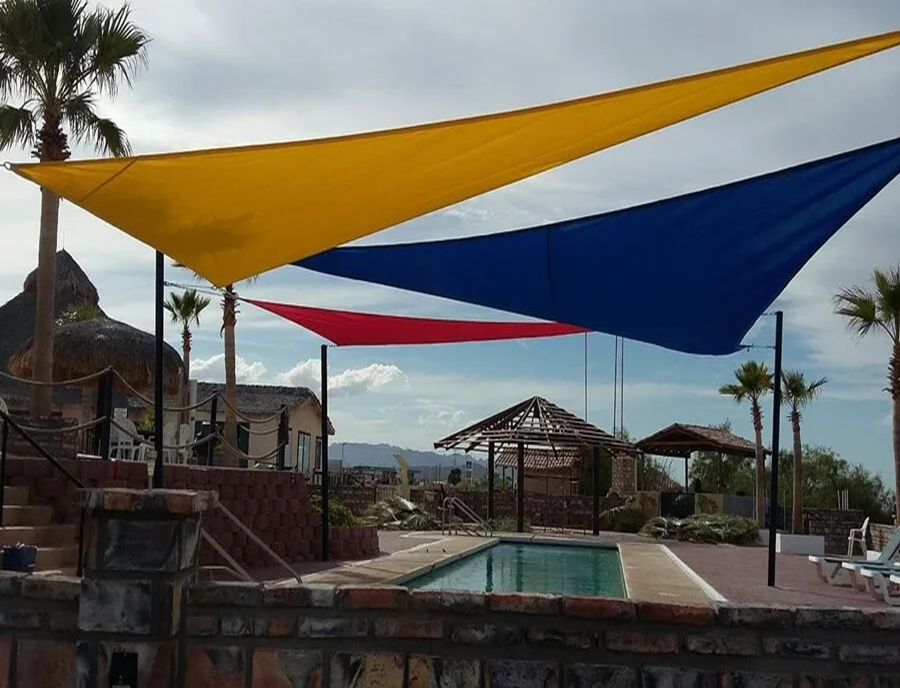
point(229, 320)
point(753, 382)
point(797, 392)
point(871, 310)
point(57, 57)
point(185, 310)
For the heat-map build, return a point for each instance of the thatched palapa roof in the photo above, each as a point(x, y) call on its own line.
point(262, 401)
point(83, 348)
point(682, 439)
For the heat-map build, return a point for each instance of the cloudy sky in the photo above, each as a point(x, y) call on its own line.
point(230, 72)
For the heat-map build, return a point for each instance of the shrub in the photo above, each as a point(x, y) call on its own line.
point(338, 514)
point(704, 528)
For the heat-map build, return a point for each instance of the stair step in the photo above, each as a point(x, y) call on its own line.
point(56, 557)
point(27, 515)
point(15, 496)
point(41, 536)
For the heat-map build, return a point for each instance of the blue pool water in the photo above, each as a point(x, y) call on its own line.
point(517, 567)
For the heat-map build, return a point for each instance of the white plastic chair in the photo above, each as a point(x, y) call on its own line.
point(169, 439)
point(858, 537)
point(185, 437)
point(3, 406)
point(122, 443)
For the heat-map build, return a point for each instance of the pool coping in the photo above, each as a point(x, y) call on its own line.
point(442, 562)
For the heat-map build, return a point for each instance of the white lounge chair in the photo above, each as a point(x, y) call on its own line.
point(832, 571)
point(876, 580)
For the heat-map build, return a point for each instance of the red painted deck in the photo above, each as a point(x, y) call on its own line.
point(739, 574)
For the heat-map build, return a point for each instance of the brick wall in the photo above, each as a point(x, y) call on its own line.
point(47, 485)
point(275, 506)
point(880, 533)
point(59, 445)
point(624, 475)
point(265, 637)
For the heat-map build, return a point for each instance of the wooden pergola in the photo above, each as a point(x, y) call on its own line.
point(539, 424)
point(680, 440)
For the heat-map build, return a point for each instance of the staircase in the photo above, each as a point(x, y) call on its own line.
point(30, 524)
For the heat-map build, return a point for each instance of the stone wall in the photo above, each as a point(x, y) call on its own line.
point(834, 524)
point(879, 534)
point(624, 475)
point(300, 637)
point(47, 485)
point(45, 431)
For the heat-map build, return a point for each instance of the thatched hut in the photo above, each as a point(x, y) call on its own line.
point(83, 348)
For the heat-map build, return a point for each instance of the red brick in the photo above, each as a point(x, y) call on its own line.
point(271, 492)
point(598, 608)
point(51, 488)
point(519, 603)
point(15, 468)
point(676, 614)
point(281, 506)
point(449, 601)
point(366, 597)
point(37, 468)
point(226, 493)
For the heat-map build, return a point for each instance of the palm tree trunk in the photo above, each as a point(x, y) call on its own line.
point(894, 388)
point(186, 361)
point(760, 480)
point(42, 366)
point(797, 471)
point(228, 322)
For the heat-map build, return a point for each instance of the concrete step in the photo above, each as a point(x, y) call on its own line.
point(62, 535)
point(27, 515)
point(15, 496)
point(56, 558)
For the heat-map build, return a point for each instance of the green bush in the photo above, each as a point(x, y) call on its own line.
point(338, 514)
point(704, 528)
point(508, 524)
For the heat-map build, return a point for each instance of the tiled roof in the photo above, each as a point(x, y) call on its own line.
point(538, 459)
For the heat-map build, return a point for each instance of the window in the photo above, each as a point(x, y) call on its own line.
point(318, 453)
point(303, 452)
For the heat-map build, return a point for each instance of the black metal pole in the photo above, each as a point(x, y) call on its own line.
point(490, 500)
point(596, 491)
point(158, 381)
point(3, 440)
point(776, 429)
point(325, 543)
point(520, 488)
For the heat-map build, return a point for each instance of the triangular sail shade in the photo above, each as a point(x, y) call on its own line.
point(690, 273)
point(235, 212)
point(349, 328)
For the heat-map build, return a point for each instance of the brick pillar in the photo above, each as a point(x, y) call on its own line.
point(140, 553)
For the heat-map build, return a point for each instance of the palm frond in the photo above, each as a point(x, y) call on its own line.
point(797, 391)
point(860, 307)
point(120, 49)
point(887, 299)
point(17, 127)
point(104, 134)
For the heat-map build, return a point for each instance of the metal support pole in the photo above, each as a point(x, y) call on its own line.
point(490, 485)
point(776, 429)
point(520, 488)
point(324, 400)
point(596, 490)
point(105, 409)
point(97, 430)
point(3, 439)
point(282, 439)
point(158, 380)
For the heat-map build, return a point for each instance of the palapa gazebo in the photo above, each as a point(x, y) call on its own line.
point(680, 440)
point(83, 348)
point(541, 425)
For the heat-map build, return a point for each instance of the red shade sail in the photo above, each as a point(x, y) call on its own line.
point(349, 328)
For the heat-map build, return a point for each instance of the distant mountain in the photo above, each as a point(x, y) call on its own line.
point(429, 463)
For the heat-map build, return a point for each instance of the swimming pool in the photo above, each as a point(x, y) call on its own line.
point(527, 567)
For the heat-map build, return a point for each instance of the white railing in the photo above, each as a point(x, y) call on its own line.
point(475, 525)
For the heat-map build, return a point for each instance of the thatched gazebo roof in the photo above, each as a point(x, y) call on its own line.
point(538, 424)
point(83, 348)
point(681, 440)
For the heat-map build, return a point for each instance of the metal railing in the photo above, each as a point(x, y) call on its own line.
point(43, 453)
point(253, 536)
point(475, 525)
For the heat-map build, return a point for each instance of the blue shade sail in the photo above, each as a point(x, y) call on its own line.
point(690, 273)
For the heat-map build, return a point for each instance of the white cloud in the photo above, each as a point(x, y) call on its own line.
point(348, 382)
point(213, 369)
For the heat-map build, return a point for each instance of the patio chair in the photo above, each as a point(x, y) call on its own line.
point(832, 571)
point(185, 437)
point(170, 439)
point(876, 580)
point(3, 406)
point(858, 537)
point(121, 440)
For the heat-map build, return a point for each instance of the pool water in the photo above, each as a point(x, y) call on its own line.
point(517, 567)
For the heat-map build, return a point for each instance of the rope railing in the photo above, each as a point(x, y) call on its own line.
point(261, 433)
point(258, 459)
point(57, 383)
point(62, 431)
point(141, 440)
point(150, 402)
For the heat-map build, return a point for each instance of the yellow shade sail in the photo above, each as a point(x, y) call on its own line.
point(235, 212)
